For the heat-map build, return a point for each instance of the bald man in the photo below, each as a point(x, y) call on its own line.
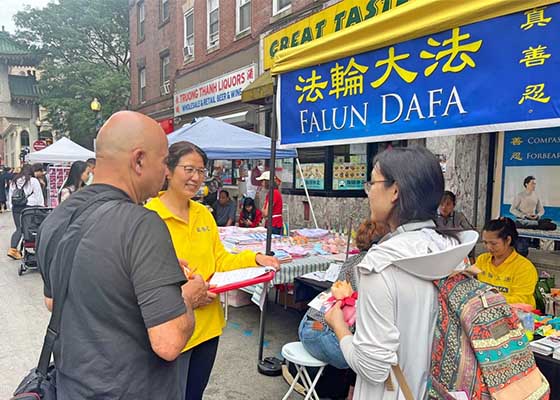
point(128, 311)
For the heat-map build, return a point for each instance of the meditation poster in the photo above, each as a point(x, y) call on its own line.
point(531, 186)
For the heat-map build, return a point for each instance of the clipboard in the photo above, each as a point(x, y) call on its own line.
point(267, 277)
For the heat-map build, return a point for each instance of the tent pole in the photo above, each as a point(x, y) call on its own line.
point(269, 366)
point(307, 193)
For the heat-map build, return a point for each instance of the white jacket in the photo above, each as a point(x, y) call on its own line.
point(397, 308)
point(32, 189)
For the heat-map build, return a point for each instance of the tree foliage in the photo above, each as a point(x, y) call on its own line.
point(85, 52)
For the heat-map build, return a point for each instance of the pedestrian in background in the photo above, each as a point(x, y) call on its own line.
point(76, 180)
point(277, 203)
point(9, 175)
point(3, 192)
point(25, 191)
point(91, 170)
point(40, 174)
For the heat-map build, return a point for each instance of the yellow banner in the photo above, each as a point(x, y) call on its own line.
point(332, 19)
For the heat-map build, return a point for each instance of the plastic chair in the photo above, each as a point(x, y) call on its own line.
point(295, 353)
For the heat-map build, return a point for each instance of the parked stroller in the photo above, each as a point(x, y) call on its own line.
point(31, 219)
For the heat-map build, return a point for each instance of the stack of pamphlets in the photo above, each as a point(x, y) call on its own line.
point(546, 346)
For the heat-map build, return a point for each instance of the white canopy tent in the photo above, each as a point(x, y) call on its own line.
point(61, 151)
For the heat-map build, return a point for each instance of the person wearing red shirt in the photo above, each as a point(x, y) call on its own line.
point(277, 221)
point(250, 216)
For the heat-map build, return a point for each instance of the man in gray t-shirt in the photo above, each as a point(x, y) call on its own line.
point(128, 312)
point(224, 210)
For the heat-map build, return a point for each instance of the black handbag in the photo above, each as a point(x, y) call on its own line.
point(40, 383)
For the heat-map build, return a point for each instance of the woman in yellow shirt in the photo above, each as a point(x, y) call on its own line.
point(504, 268)
point(196, 240)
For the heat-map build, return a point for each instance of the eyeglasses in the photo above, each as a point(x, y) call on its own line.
point(190, 171)
point(369, 185)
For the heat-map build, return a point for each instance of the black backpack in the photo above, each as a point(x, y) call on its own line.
point(19, 198)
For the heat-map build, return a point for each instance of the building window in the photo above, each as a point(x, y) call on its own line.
point(243, 20)
point(142, 85)
point(164, 10)
point(188, 50)
point(164, 66)
point(141, 14)
point(24, 139)
point(164, 75)
point(280, 5)
point(213, 23)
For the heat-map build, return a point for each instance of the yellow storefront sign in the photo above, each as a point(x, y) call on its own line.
point(332, 19)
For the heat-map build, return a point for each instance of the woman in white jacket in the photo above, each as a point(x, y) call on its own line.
point(34, 193)
point(397, 305)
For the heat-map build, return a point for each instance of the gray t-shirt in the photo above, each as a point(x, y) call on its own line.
point(222, 213)
point(125, 279)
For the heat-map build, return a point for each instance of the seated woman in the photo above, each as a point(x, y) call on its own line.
point(250, 216)
point(502, 267)
point(315, 335)
point(447, 216)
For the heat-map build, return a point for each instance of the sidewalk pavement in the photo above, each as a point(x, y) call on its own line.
point(234, 376)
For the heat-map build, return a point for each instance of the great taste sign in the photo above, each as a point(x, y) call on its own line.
point(332, 19)
point(499, 74)
point(214, 92)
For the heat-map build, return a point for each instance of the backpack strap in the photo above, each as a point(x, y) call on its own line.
point(56, 315)
point(403, 385)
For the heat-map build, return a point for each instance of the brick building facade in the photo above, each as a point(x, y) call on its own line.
point(194, 45)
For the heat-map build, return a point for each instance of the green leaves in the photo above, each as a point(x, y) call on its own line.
point(85, 51)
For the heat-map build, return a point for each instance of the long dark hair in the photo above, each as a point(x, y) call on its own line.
point(180, 149)
point(249, 215)
point(26, 173)
point(504, 227)
point(417, 173)
point(75, 175)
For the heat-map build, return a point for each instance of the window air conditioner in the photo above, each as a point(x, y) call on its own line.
point(188, 51)
point(165, 88)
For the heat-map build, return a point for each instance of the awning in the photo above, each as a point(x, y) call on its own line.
point(235, 118)
point(411, 20)
point(259, 90)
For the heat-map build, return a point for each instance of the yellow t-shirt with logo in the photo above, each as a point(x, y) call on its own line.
point(198, 242)
point(515, 278)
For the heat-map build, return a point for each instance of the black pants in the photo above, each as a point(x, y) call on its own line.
point(16, 236)
point(201, 363)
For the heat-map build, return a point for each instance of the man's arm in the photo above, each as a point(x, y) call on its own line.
point(169, 338)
